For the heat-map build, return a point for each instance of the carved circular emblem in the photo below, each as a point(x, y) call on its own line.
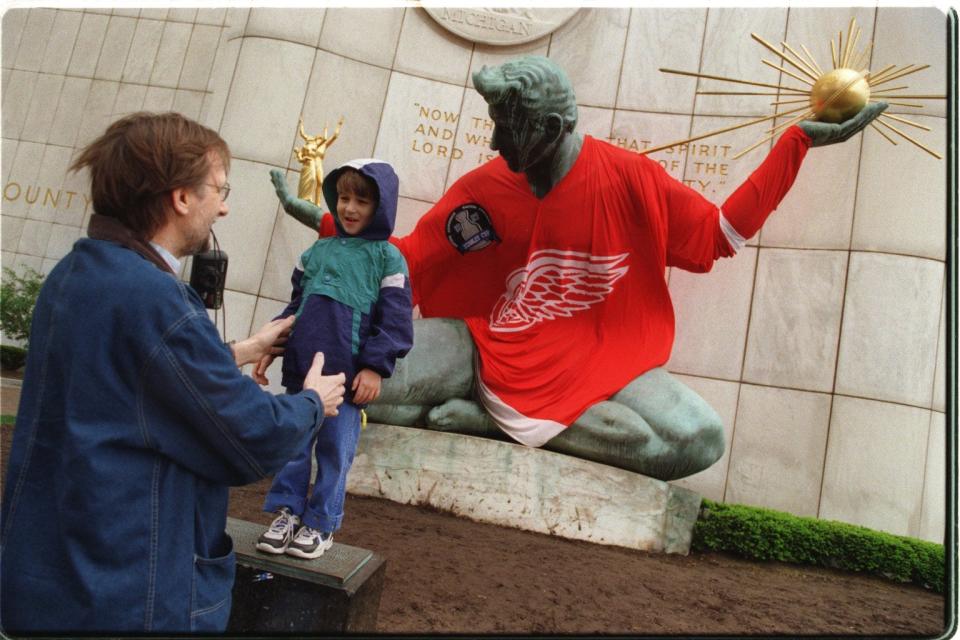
point(500, 25)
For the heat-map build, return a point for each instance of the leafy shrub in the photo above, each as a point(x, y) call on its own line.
point(12, 358)
point(18, 295)
point(765, 534)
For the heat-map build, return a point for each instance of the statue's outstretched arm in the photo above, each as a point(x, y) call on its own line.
point(824, 133)
point(303, 211)
point(336, 132)
point(303, 134)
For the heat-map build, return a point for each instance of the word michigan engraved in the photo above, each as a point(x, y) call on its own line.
point(500, 25)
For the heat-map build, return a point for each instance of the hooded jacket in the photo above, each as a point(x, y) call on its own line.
point(351, 294)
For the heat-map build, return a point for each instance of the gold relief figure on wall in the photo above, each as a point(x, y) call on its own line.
point(311, 156)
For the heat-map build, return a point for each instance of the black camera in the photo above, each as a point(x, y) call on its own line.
point(208, 277)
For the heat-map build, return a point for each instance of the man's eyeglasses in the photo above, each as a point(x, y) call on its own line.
point(224, 190)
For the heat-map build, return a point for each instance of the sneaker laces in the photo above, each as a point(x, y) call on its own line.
point(309, 532)
point(282, 522)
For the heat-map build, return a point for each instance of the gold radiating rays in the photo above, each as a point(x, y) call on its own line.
point(832, 96)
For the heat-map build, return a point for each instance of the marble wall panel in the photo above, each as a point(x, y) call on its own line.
point(198, 60)
point(211, 16)
point(408, 213)
point(129, 13)
point(8, 151)
point(294, 25)
point(817, 212)
point(69, 111)
point(34, 238)
point(778, 449)
point(61, 240)
point(36, 34)
point(593, 70)
point(16, 101)
point(428, 50)
point(51, 201)
point(224, 65)
point(78, 206)
point(188, 103)
point(670, 38)
point(130, 99)
point(722, 396)
point(159, 99)
point(264, 311)
point(56, 57)
point(906, 215)
point(13, 24)
point(914, 35)
point(21, 262)
point(380, 28)
point(43, 108)
point(814, 28)
point(234, 318)
point(939, 380)
point(873, 474)
point(888, 339)
point(23, 174)
point(154, 14)
point(243, 234)
point(730, 52)
point(933, 509)
point(795, 322)
point(595, 122)
point(116, 47)
point(86, 51)
point(11, 229)
point(491, 56)
point(97, 111)
point(265, 99)
point(288, 241)
point(636, 131)
point(341, 87)
point(182, 15)
point(711, 317)
point(418, 131)
point(170, 54)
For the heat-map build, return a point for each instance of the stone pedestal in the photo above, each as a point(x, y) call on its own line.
point(512, 485)
point(337, 593)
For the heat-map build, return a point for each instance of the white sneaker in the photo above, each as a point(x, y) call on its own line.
point(309, 543)
point(277, 538)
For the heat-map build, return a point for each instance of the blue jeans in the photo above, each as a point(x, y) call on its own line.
point(334, 448)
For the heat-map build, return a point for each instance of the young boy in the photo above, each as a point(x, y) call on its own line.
point(351, 295)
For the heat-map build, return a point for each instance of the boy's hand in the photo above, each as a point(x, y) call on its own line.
point(366, 386)
point(259, 374)
point(329, 388)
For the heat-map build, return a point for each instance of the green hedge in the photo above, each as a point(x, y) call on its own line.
point(765, 534)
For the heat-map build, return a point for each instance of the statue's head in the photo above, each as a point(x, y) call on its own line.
point(533, 107)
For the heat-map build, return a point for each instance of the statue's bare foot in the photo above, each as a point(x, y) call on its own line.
point(404, 415)
point(463, 416)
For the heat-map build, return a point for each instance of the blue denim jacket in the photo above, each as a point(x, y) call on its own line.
point(133, 422)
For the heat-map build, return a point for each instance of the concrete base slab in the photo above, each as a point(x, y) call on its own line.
point(511, 485)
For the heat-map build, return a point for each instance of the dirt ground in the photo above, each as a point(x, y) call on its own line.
point(446, 574)
point(450, 575)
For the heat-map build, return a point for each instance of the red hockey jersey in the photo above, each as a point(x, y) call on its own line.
point(565, 296)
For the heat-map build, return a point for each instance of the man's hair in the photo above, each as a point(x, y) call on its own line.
point(352, 181)
point(537, 83)
point(141, 158)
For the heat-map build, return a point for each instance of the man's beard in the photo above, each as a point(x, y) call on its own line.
point(199, 244)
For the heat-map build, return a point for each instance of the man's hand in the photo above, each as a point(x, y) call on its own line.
point(824, 133)
point(260, 371)
point(366, 386)
point(329, 388)
point(301, 210)
point(267, 341)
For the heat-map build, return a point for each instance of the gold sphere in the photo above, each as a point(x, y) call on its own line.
point(854, 92)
